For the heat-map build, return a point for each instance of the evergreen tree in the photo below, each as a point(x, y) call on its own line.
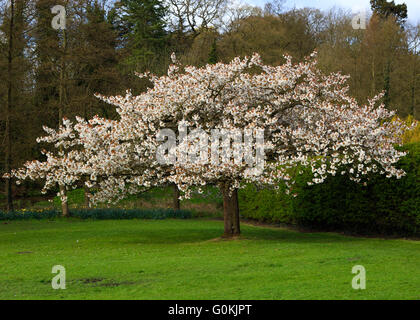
point(386, 9)
point(47, 59)
point(141, 25)
point(213, 57)
point(94, 61)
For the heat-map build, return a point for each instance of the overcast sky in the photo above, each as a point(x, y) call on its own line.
point(355, 5)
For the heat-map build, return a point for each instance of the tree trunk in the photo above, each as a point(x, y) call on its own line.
point(64, 205)
point(230, 212)
point(373, 76)
point(87, 201)
point(176, 195)
point(236, 221)
point(413, 84)
point(387, 84)
point(8, 144)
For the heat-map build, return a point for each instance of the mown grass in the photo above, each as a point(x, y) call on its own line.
point(185, 259)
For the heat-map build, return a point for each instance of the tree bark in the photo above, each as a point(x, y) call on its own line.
point(230, 212)
point(413, 84)
point(64, 205)
point(176, 195)
point(8, 145)
point(87, 200)
point(235, 220)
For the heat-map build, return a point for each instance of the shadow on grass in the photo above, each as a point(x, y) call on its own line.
point(170, 231)
point(212, 233)
point(272, 234)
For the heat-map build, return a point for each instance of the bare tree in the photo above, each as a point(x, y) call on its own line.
point(191, 16)
point(8, 144)
point(275, 7)
point(237, 12)
point(414, 43)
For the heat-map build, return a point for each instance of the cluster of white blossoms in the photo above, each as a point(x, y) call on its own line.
point(307, 118)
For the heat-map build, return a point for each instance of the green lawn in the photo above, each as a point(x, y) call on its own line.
point(183, 259)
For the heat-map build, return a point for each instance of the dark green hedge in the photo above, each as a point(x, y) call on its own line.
point(385, 206)
point(25, 215)
point(265, 205)
point(100, 214)
point(130, 214)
